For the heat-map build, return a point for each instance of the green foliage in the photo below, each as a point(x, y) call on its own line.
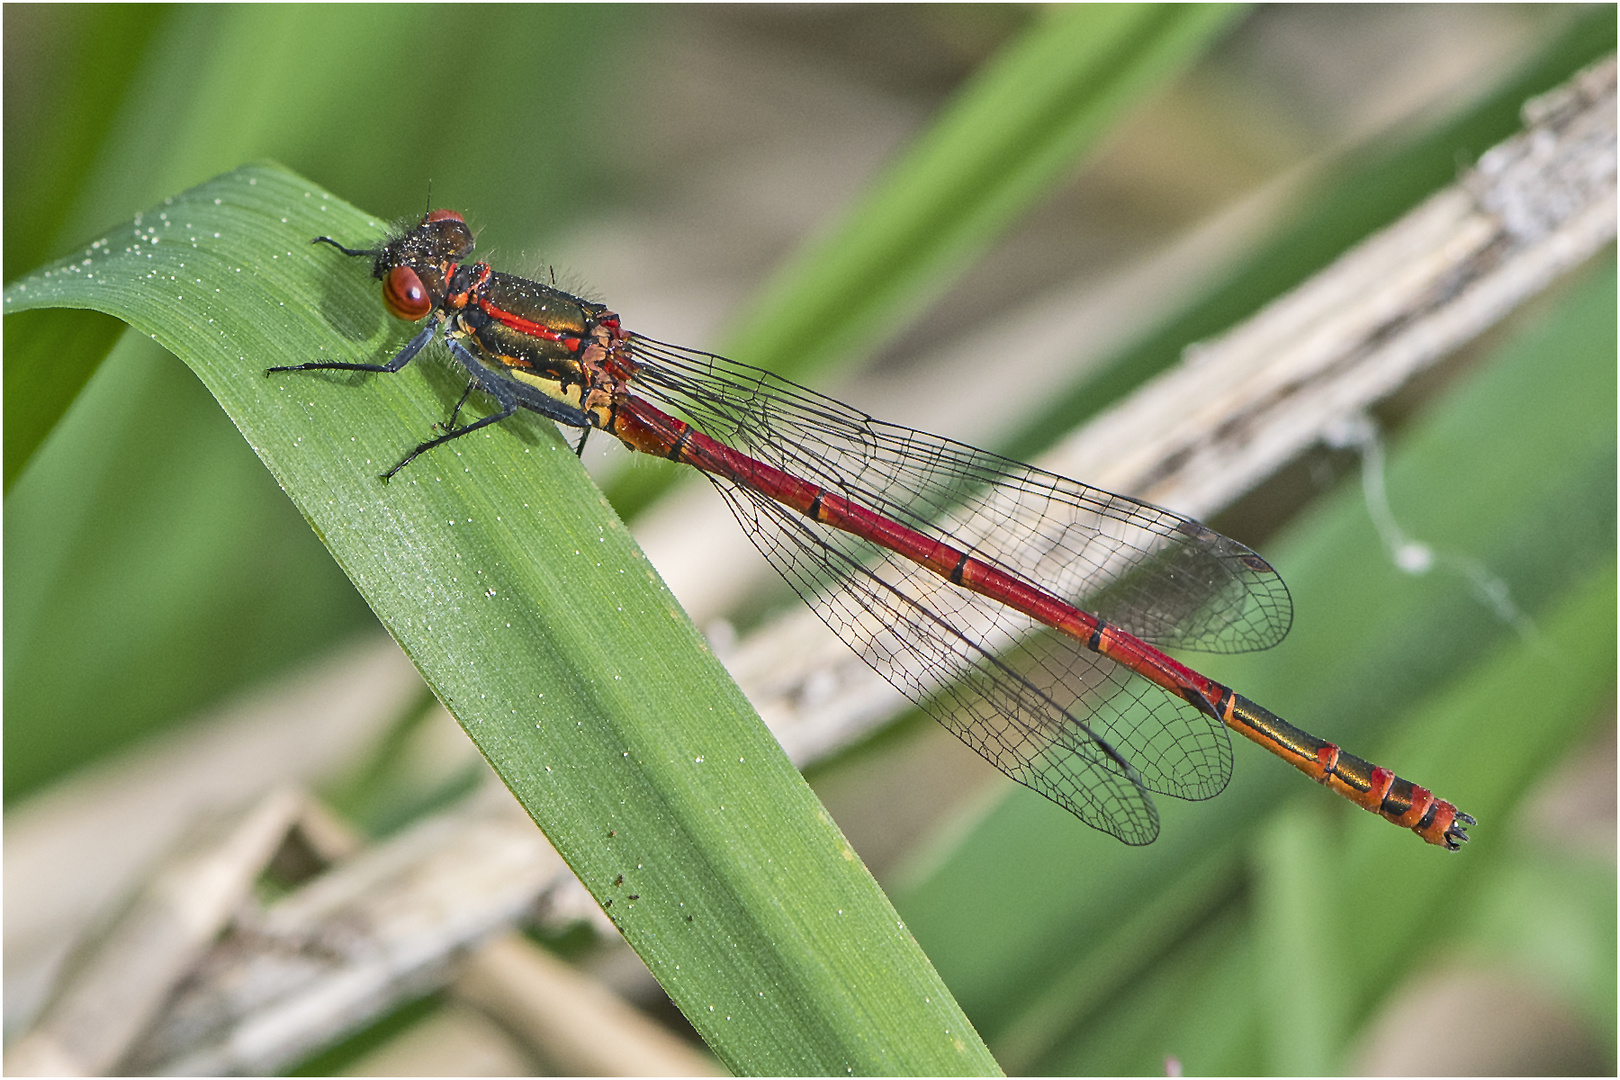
point(545, 634)
point(1361, 191)
point(153, 567)
point(1008, 139)
point(1515, 472)
point(1009, 136)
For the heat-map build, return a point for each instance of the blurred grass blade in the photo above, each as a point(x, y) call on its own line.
point(1363, 190)
point(1294, 908)
point(1011, 135)
point(502, 573)
point(50, 355)
point(64, 99)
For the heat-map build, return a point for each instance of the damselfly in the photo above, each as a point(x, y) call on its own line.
point(1023, 610)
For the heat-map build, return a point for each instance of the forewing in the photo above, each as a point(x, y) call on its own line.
point(888, 611)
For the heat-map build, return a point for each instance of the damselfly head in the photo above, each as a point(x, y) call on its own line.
point(414, 265)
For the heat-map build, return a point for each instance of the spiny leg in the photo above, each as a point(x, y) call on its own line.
point(455, 412)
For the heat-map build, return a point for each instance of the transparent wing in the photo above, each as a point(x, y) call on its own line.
point(1085, 732)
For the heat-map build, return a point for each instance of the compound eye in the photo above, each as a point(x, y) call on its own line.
point(405, 295)
point(444, 215)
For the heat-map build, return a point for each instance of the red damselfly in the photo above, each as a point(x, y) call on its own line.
point(1043, 657)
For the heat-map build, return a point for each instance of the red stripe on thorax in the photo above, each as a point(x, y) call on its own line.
point(528, 326)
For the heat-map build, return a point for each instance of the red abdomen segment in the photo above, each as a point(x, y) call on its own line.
point(651, 431)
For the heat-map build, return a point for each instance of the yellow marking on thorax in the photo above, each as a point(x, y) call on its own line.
point(571, 394)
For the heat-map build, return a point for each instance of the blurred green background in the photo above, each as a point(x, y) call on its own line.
point(670, 160)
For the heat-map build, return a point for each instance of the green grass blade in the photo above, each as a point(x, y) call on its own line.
point(530, 612)
point(1294, 902)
